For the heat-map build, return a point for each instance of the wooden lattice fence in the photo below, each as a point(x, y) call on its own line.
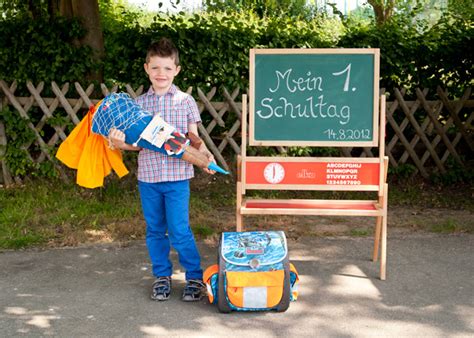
point(421, 132)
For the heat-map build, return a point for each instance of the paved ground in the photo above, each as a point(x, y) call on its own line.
point(103, 291)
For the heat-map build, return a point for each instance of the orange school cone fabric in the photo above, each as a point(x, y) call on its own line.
point(90, 155)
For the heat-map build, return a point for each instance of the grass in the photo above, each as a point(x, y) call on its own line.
point(51, 213)
point(201, 230)
point(360, 232)
point(45, 212)
point(423, 194)
point(450, 226)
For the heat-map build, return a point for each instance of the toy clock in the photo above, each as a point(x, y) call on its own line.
point(274, 173)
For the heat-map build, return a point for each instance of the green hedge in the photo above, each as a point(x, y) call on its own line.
point(214, 51)
point(214, 47)
point(414, 56)
point(42, 50)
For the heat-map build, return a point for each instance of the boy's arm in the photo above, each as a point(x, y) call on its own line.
point(117, 138)
point(193, 128)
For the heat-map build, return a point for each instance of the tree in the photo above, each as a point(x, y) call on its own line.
point(87, 11)
point(383, 9)
point(462, 8)
point(260, 7)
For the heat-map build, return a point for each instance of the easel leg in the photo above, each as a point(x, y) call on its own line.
point(239, 221)
point(238, 214)
point(383, 251)
point(375, 255)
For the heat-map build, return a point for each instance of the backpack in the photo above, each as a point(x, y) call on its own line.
point(253, 273)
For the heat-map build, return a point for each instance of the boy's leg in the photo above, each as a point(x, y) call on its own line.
point(157, 241)
point(181, 236)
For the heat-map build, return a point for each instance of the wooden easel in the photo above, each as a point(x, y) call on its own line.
point(318, 174)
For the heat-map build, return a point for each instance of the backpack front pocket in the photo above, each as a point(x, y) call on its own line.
point(255, 290)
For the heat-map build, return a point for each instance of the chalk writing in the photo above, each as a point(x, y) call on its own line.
point(285, 108)
point(347, 134)
point(314, 106)
point(316, 97)
point(300, 84)
point(348, 77)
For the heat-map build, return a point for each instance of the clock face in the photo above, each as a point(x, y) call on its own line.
point(274, 173)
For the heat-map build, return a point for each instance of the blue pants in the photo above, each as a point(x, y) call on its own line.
point(166, 210)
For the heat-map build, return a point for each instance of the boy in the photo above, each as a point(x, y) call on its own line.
point(163, 181)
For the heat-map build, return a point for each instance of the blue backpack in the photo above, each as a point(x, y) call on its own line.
point(253, 273)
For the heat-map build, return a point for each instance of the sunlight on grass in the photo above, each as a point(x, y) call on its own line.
point(56, 214)
point(45, 211)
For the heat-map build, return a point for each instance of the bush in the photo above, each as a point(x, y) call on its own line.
point(414, 55)
point(43, 50)
point(214, 51)
point(214, 48)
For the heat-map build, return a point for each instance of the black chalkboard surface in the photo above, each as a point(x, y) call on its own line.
point(314, 97)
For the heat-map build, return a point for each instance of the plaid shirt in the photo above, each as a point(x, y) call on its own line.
point(178, 109)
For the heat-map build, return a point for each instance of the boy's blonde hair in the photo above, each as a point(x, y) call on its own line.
point(163, 48)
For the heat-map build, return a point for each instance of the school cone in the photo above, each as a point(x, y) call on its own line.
point(144, 129)
point(198, 159)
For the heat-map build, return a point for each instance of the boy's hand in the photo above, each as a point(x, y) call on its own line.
point(211, 159)
point(117, 139)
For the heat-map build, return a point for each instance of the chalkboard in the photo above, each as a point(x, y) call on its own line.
point(314, 97)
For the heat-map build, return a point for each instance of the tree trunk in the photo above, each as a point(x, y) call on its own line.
point(4, 173)
point(52, 8)
point(383, 10)
point(34, 10)
point(88, 12)
point(65, 8)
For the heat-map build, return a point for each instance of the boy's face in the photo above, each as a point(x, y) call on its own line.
point(161, 72)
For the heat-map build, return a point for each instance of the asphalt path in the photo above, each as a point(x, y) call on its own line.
point(103, 291)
